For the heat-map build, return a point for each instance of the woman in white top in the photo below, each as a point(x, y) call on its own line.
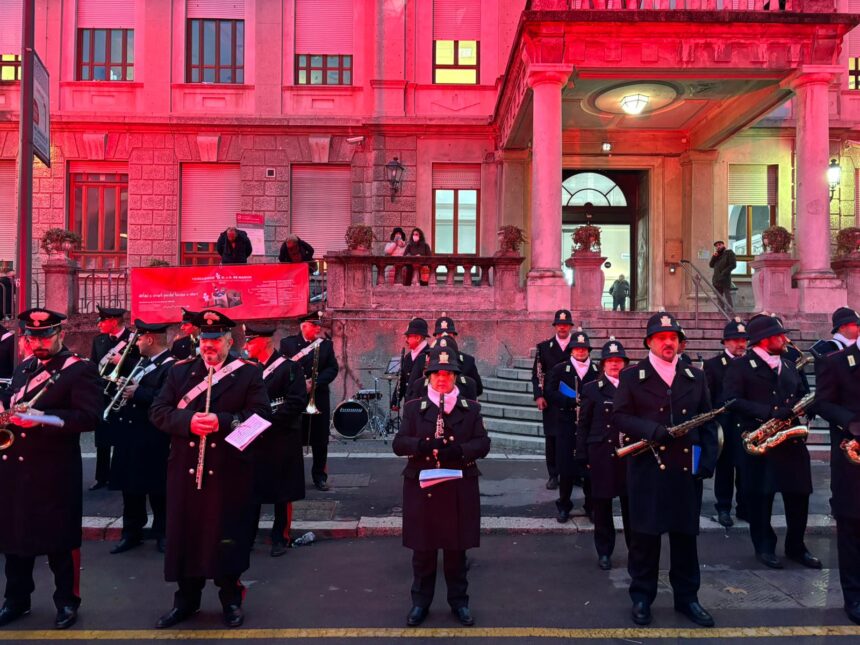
point(396, 247)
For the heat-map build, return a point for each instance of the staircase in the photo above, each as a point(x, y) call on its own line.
point(508, 406)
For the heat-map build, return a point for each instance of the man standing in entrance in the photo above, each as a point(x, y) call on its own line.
point(723, 262)
point(619, 291)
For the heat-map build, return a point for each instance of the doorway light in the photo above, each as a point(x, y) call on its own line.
point(633, 104)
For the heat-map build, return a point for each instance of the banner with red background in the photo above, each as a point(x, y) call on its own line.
point(241, 291)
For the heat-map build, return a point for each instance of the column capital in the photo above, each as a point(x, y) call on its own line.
point(813, 75)
point(543, 73)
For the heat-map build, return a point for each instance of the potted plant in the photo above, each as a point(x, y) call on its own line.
point(848, 242)
point(157, 262)
point(359, 238)
point(586, 239)
point(511, 238)
point(776, 239)
point(59, 241)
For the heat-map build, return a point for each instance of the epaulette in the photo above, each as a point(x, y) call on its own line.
point(185, 360)
point(601, 383)
point(567, 368)
point(464, 403)
point(550, 343)
point(424, 404)
point(723, 360)
point(851, 361)
point(753, 364)
point(643, 374)
point(689, 374)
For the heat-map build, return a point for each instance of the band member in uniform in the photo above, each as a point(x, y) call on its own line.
point(107, 351)
point(445, 327)
point(838, 401)
point(596, 443)
point(441, 430)
point(846, 329)
point(187, 343)
point(728, 474)
point(564, 390)
point(550, 353)
point(315, 354)
point(763, 386)
point(210, 508)
point(7, 352)
point(663, 483)
point(416, 343)
point(139, 466)
point(40, 470)
point(279, 472)
point(467, 386)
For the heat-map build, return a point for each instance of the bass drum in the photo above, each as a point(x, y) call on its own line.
point(350, 418)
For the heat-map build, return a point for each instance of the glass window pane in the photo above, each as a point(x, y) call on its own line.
point(240, 76)
point(195, 42)
point(209, 75)
point(129, 46)
point(100, 46)
point(444, 236)
point(332, 78)
point(85, 45)
point(240, 42)
point(316, 61)
point(208, 42)
point(92, 227)
point(195, 75)
point(123, 218)
point(347, 78)
point(303, 61)
point(110, 219)
point(116, 74)
point(85, 73)
point(99, 73)
point(303, 77)
point(116, 45)
point(225, 76)
point(79, 205)
point(347, 61)
point(316, 77)
point(468, 52)
point(738, 235)
point(456, 76)
point(467, 221)
point(226, 44)
point(760, 221)
point(129, 73)
point(332, 61)
point(444, 52)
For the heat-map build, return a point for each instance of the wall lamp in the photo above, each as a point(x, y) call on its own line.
point(834, 176)
point(394, 173)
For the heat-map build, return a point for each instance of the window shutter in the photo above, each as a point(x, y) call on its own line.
point(106, 14)
point(451, 176)
point(456, 19)
point(211, 197)
point(753, 185)
point(8, 210)
point(324, 27)
point(229, 9)
point(10, 27)
point(852, 40)
point(321, 206)
point(857, 195)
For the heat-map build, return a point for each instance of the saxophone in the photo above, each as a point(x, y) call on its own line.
point(776, 431)
point(7, 437)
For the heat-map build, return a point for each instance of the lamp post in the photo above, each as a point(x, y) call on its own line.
point(394, 173)
point(834, 175)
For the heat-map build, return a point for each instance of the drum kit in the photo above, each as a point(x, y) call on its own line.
point(363, 412)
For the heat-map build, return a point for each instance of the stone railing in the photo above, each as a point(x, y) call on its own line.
point(799, 6)
point(453, 282)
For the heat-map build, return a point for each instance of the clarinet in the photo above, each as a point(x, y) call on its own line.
point(201, 450)
point(440, 427)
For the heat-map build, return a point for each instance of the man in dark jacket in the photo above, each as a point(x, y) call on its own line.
point(234, 246)
point(619, 291)
point(723, 262)
point(466, 384)
point(445, 327)
point(294, 249)
point(40, 473)
point(846, 329)
point(210, 508)
point(7, 353)
point(187, 343)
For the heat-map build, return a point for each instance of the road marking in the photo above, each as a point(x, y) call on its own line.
point(433, 632)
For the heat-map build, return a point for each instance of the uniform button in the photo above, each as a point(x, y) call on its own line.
point(661, 409)
point(686, 450)
point(190, 471)
point(429, 494)
point(608, 425)
point(426, 458)
point(23, 435)
point(190, 444)
point(683, 412)
point(775, 408)
point(685, 469)
point(5, 457)
point(212, 445)
point(663, 448)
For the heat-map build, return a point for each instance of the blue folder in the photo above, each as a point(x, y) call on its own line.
point(566, 390)
point(697, 456)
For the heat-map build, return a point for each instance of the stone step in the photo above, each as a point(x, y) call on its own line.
point(507, 398)
point(513, 427)
point(514, 412)
point(518, 373)
point(507, 384)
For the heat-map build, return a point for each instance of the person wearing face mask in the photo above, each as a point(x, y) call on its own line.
point(564, 390)
point(208, 528)
point(40, 472)
point(395, 247)
point(417, 245)
point(596, 443)
point(764, 385)
point(728, 474)
point(664, 483)
point(187, 343)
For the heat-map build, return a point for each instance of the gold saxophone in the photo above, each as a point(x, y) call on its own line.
point(7, 437)
point(851, 448)
point(776, 431)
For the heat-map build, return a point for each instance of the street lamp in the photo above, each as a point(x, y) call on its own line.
point(394, 173)
point(834, 175)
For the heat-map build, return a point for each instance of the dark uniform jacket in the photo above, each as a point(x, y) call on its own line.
point(102, 344)
point(185, 347)
point(326, 369)
point(838, 401)
point(467, 368)
point(7, 353)
point(757, 391)
point(567, 411)
point(279, 474)
point(597, 440)
point(715, 373)
point(549, 354)
point(40, 473)
point(447, 515)
point(665, 500)
point(208, 530)
point(466, 385)
point(406, 365)
point(139, 462)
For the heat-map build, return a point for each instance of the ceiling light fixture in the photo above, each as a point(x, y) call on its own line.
point(633, 104)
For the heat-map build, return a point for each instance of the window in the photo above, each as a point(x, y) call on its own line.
point(10, 68)
point(585, 187)
point(854, 73)
point(211, 197)
point(99, 214)
point(105, 54)
point(199, 254)
point(216, 51)
point(324, 42)
point(455, 62)
point(312, 69)
point(752, 208)
point(455, 221)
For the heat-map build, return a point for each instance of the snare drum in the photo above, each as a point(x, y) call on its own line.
point(368, 395)
point(350, 418)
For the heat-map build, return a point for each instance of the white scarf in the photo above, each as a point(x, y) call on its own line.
point(612, 380)
point(450, 398)
point(666, 370)
point(563, 343)
point(845, 342)
point(730, 355)
point(774, 361)
point(581, 368)
point(414, 353)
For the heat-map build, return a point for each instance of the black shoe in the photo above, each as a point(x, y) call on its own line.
point(552, 483)
point(233, 616)
point(9, 613)
point(806, 559)
point(725, 519)
point(126, 544)
point(416, 616)
point(161, 544)
point(769, 560)
point(98, 485)
point(695, 612)
point(320, 484)
point(853, 612)
point(563, 516)
point(463, 615)
point(174, 617)
point(66, 617)
point(279, 549)
point(604, 562)
point(641, 613)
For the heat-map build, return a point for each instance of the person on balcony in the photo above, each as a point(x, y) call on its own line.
point(417, 246)
point(234, 246)
point(723, 262)
point(395, 247)
point(294, 250)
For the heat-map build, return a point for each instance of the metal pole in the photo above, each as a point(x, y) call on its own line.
point(25, 158)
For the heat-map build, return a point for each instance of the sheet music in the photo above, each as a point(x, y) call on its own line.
point(249, 430)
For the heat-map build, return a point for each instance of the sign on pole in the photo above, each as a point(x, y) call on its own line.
point(41, 111)
point(254, 224)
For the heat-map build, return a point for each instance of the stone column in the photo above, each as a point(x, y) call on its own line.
point(547, 289)
point(697, 217)
point(820, 291)
point(61, 285)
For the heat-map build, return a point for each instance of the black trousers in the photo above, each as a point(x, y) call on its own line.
point(618, 303)
point(848, 548)
point(727, 479)
point(315, 429)
point(643, 565)
point(424, 564)
point(604, 525)
point(134, 516)
point(187, 597)
point(760, 509)
point(565, 491)
point(102, 463)
point(281, 525)
point(19, 579)
point(549, 453)
point(726, 292)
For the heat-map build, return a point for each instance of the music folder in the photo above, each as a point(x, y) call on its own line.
point(249, 430)
point(433, 476)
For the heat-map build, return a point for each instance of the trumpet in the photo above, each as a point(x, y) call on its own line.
point(5, 382)
point(312, 406)
point(118, 400)
point(7, 437)
point(776, 431)
point(201, 450)
point(116, 377)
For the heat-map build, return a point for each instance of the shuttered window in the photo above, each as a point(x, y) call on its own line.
point(234, 9)
point(456, 19)
point(321, 206)
point(10, 27)
point(105, 14)
point(8, 211)
point(456, 175)
point(752, 208)
point(456, 41)
point(456, 208)
point(211, 197)
point(324, 27)
point(753, 184)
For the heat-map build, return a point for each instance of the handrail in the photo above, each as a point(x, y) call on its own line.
point(714, 296)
